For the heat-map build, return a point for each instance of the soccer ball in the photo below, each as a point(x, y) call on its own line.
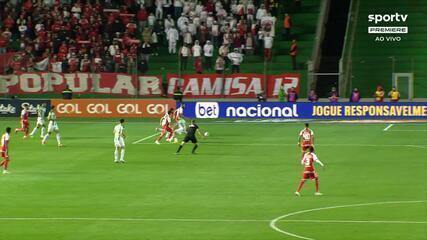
point(206, 134)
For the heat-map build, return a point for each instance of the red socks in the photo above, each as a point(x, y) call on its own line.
point(5, 164)
point(317, 185)
point(301, 183)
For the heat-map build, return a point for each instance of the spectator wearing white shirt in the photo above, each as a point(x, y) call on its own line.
point(196, 49)
point(184, 54)
point(208, 52)
point(236, 59)
point(268, 45)
point(186, 8)
point(151, 20)
point(261, 12)
point(159, 9)
point(192, 28)
point(219, 65)
point(215, 33)
point(210, 20)
point(114, 48)
point(187, 38)
point(169, 22)
point(172, 37)
point(182, 21)
point(223, 52)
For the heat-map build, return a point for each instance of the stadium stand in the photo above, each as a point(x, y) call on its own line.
point(107, 36)
point(373, 62)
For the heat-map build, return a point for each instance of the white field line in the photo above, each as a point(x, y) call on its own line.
point(143, 139)
point(203, 220)
point(409, 130)
point(352, 221)
point(283, 217)
point(388, 127)
point(324, 145)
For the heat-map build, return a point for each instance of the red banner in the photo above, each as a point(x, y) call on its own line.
point(109, 108)
point(5, 59)
point(244, 85)
point(81, 83)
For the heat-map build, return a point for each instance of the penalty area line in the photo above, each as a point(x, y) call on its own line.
point(143, 139)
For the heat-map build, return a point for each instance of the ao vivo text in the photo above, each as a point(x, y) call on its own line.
point(388, 39)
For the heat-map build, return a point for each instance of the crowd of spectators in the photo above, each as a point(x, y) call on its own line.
point(379, 95)
point(355, 96)
point(120, 36)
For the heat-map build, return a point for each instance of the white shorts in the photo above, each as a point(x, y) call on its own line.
point(181, 123)
point(40, 121)
point(53, 126)
point(119, 142)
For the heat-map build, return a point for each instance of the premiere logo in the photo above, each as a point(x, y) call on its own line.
point(381, 21)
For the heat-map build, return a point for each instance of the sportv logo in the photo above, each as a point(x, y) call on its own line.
point(260, 111)
point(378, 18)
point(207, 110)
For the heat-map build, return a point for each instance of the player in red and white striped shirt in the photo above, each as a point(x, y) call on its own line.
point(305, 139)
point(25, 123)
point(165, 123)
point(309, 172)
point(4, 149)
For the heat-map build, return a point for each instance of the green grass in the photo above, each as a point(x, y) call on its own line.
point(244, 171)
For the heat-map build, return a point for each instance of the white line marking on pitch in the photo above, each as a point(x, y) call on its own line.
point(138, 219)
point(388, 127)
point(290, 144)
point(274, 221)
point(203, 220)
point(353, 221)
point(409, 130)
point(143, 139)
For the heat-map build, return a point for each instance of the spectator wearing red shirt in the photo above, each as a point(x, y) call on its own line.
point(63, 51)
point(85, 64)
point(210, 6)
point(28, 6)
point(97, 63)
point(198, 65)
point(131, 28)
point(73, 63)
point(142, 18)
point(9, 22)
point(15, 64)
point(4, 42)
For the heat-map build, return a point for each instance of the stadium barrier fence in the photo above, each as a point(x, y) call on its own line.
point(326, 111)
point(92, 108)
point(239, 85)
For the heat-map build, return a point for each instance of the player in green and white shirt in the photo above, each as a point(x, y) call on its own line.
point(119, 142)
point(178, 116)
point(52, 127)
point(41, 114)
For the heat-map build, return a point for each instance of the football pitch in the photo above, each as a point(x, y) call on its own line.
point(240, 185)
